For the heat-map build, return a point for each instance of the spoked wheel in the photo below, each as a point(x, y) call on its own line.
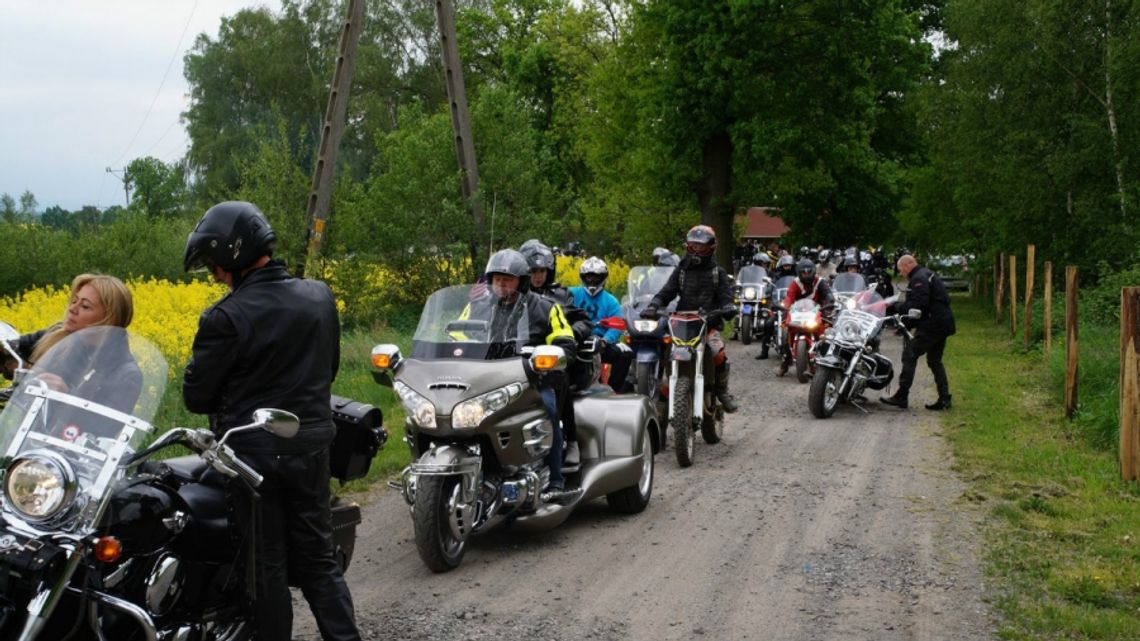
point(684, 439)
point(442, 522)
point(823, 395)
point(802, 364)
point(634, 499)
point(746, 330)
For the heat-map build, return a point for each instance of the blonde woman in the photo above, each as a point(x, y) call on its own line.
point(97, 300)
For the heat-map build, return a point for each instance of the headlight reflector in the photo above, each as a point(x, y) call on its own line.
point(750, 293)
point(470, 413)
point(419, 408)
point(645, 325)
point(39, 485)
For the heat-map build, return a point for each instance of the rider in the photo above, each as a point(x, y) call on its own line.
point(508, 297)
point(764, 261)
point(850, 265)
point(785, 266)
point(540, 259)
point(702, 285)
point(807, 285)
point(602, 305)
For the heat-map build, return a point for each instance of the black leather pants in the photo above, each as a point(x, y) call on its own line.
point(297, 544)
point(932, 345)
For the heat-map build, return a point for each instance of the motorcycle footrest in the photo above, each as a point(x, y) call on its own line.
point(571, 469)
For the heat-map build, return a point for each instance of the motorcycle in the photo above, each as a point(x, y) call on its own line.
point(98, 541)
point(805, 327)
point(780, 335)
point(848, 359)
point(647, 337)
point(479, 430)
point(753, 293)
point(692, 404)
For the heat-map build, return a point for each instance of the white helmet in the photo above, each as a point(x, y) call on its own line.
point(594, 273)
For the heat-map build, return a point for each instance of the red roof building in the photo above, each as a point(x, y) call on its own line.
point(763, 224)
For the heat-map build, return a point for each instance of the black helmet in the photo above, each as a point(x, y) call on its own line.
point(231, 235)
point(806, 271)
point(511, 263)
point(700, 241)
point(538, 256)
point(848, 263)
point(762, 259)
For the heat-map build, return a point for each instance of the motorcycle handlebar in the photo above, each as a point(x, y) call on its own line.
point(240, 468)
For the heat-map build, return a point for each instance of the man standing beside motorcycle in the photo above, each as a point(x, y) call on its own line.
point(806, 285)
point(925, 293)
point(273, 341)
point(601, 305)
point(508, 297)
point(702, 285)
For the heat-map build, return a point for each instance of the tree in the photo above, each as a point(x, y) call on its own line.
point(8, 209)
point(28, 205)
point(58, 218)
point(157, 188)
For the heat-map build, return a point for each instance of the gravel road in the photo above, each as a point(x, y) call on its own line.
point(792, 528)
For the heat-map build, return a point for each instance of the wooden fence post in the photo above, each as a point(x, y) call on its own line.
point(1030, 253)
point(1048, 307)
point(1013, 296)
point(1070, 340)
point(999, 289)
point(1130, 383)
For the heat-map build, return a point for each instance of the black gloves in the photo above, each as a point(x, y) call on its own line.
point(650, 312)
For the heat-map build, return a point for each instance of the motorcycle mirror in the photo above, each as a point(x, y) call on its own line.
point(7, 332)
point(279, 422)
point(914, 314)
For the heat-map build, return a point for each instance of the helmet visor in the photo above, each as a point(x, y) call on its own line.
point(700, 249)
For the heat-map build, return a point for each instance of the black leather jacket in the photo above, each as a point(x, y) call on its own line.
point(926, 292)
point(274, 341)
point(706, 286)
point(579, 320)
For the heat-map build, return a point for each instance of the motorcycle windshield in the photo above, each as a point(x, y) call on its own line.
point(85, 406)
point(868, 301)
point(644, 283)
point(472, 323)
point(751, 275)
point(782, 285)
point(848, 284)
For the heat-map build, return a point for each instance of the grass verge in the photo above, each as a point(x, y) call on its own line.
point(1062, 534)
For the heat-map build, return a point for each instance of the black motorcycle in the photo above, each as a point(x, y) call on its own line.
point(97, 540)
point(753, 293)
point(647, 336)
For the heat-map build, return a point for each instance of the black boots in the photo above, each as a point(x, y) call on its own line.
point(722, 394)
point(763, 355)
point(943, 403)
point(897, 400)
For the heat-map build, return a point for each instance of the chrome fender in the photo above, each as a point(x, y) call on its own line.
point(444, 460)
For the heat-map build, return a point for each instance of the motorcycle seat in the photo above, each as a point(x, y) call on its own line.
point(187, 469)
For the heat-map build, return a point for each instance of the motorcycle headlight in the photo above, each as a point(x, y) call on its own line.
point(419, 408)
point(849, 303)
point(470, 413)
point(750, 293)
point(645, 325)
point(850, 332)
point(39, 485)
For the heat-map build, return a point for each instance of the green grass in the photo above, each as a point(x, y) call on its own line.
point(1063, 533)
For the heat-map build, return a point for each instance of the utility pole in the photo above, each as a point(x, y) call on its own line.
point(121, 174)
point(317, 209)
point(461, 124)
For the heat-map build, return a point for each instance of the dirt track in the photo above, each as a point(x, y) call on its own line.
point(792, 529)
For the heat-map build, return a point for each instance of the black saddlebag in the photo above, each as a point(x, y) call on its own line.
point(884, 373)
point(359, 436)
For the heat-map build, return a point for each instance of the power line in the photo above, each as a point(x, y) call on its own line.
point(157, 93)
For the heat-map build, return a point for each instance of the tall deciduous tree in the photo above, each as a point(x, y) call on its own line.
point(157, 188)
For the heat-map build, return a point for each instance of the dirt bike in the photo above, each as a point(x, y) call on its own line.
point(692, 397)
point(479, 427)
point(848, 359)
point(98, 541)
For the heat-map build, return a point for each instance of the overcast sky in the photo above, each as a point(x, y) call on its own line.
point(82, 89)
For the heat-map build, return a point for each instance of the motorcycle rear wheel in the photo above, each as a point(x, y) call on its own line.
point(746, 330)
point(802, 373)
point(634, 499)
point(684, 440)
point(438, 546)
point(823, 395)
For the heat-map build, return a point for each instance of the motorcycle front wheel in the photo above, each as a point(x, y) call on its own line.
point(823, 395)
point(646, 385)
point(684, 440)
point(746, 330)
point(437, 505)
point(802, 373)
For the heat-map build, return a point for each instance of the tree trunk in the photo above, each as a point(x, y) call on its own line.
point(1110, 108)
point(712, 194)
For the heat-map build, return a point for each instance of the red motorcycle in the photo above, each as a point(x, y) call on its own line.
point(806, 325)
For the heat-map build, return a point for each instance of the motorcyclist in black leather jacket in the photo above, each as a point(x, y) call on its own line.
point(273, 341)
point(702, 284)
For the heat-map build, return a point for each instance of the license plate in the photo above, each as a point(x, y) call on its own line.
point(747, 309)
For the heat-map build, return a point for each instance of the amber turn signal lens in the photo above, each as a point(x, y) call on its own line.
point(545, 362)
point(381, 361)
point(108, 549)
